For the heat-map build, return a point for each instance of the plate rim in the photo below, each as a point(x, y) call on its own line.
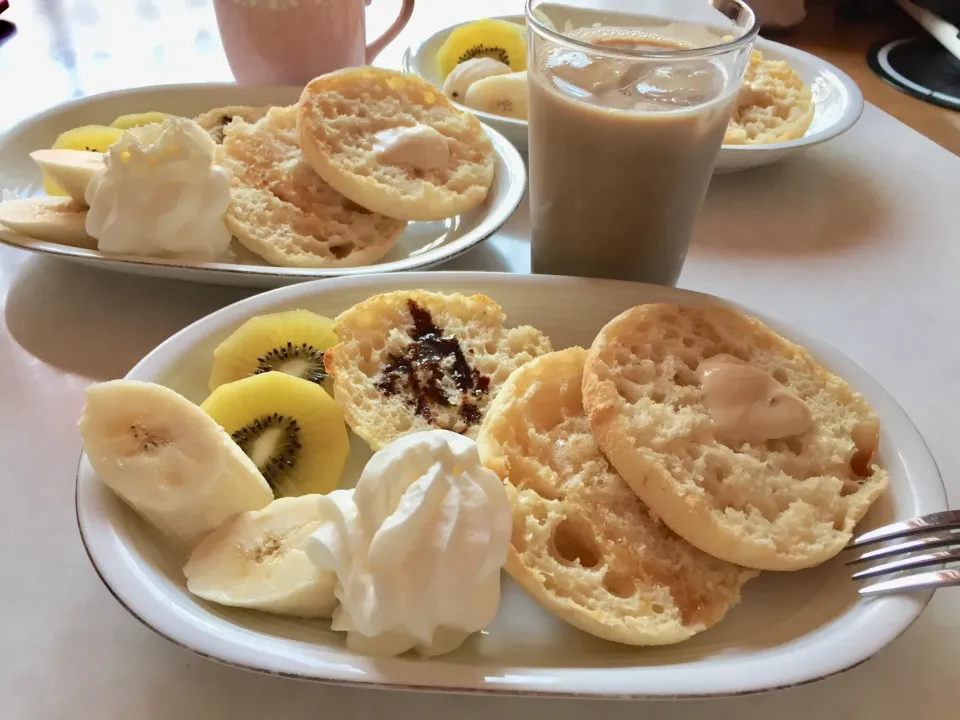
point(905, 610)
point(848, 118)
point(498, 215)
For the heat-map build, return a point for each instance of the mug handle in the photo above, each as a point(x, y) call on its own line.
point(374, 48)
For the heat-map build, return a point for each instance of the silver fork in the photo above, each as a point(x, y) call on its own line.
point(920, 536)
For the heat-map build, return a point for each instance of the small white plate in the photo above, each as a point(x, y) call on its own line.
point(790, 628)
point(837, 100)
point(422, 245)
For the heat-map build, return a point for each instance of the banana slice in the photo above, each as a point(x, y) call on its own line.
point(92, 138)
point(504, 95)
point(54, 219)
point(256, 560)
point(470, 71)
point(70, 169)
point(168, 459)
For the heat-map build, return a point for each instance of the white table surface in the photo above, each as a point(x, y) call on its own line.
point(858, 241)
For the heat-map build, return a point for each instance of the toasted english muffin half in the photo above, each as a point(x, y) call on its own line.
point(774, 104)
point(584, 546)
point(394, 143)
point(284, 212)
point(415, 360)
point(785, 502)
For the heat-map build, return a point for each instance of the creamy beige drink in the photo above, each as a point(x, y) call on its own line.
point(622, 147)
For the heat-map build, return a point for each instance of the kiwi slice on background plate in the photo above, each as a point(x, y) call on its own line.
point(498, 39)
point(97, 138)
point(291, 428)
point(133, 120)
point(290, 342)
point(92, 138)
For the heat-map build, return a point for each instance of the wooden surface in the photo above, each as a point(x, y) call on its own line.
point(845, 44)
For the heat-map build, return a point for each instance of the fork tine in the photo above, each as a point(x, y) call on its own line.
point(917, 561)
point(918, 581)
point(948, 520)
point(921, 543)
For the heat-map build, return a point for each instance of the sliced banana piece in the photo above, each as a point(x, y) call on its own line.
point(256, 560)
point(470, 71)
point(168, 459)
point(54, 219)
point(70, 169)
point(504, 95)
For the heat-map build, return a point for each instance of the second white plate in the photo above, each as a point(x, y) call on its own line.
point(790, 627)
point(422, 245)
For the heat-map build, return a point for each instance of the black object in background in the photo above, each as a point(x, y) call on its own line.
point(857, 11)
point(915, 63)
point(919, 66)
point(949, 10)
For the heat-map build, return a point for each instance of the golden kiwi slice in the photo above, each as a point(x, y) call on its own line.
point(290, 342)
point(291, 428)
point(497, 39)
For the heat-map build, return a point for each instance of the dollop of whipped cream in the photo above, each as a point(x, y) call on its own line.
point(417, 546)
point(161, 194)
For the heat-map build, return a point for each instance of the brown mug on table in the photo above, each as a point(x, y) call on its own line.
point(290, 42)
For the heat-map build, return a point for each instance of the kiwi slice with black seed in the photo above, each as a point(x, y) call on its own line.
point(291, 428)
point(291, 342)
point(490, 37)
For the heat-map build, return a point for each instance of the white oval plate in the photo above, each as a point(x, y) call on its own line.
point(422, 245)
point(790, 627)
point(838, 102)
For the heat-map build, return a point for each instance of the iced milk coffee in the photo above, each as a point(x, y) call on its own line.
point(621, 151)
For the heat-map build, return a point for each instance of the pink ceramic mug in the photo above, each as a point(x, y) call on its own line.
point(290, 42)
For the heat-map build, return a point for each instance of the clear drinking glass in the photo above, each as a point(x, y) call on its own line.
point(627, 113)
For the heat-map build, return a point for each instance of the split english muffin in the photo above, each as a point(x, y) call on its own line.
point(394, 143)
point(734, 437)
point(584, 546)
point(416, 360)
point(283, 211)
point(774, 104)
